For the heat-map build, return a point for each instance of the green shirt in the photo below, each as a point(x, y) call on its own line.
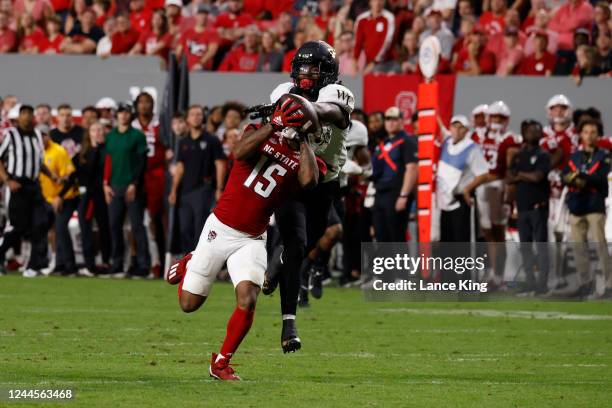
point(127, 152)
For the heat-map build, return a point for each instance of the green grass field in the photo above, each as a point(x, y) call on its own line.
point(126, 343)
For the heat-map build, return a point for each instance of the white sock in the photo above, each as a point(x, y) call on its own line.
point(288, 316)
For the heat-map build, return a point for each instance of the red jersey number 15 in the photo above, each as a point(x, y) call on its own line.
point(264, 187)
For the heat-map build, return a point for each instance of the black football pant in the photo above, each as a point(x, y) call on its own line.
point(28, 215)
point(301, 223)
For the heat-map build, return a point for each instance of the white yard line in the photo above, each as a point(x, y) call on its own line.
point(520, 314)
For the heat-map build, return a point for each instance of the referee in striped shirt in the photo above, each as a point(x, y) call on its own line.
point(21, 162)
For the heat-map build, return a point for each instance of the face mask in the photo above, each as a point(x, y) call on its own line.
point(496, 127)
point(559, 121)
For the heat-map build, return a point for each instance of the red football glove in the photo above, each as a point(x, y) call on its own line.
point(287, 114)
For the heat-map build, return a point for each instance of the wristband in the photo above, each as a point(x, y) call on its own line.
point(404, 195)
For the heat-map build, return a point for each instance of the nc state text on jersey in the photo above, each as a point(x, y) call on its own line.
point(281, 158)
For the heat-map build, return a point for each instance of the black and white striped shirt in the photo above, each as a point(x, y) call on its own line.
point(22, 154)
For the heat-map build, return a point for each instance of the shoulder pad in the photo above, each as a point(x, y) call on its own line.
point(338, 94)
point(280, 90)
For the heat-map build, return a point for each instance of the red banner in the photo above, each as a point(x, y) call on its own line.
point(383, 91)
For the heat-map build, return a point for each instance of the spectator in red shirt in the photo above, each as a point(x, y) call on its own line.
point(125, 37)
point(157, 40)
point(476, 59)
point(54, 36)
point(243, 57)
point(466, 27)
point(536, 6)
point(496, 43)
point(512, 53)
point(140, 17)
point(231, 25)
point(39, 10)
point(199, 43)
point(277, 7)
point(298, 40)
point(8, 38)
point(493, 21)
point(344, 51)
point(270, 56)
point(374, 31)
point(325, 20)
point(541, 25)
point(32, 39)
point(572, 15)
point(176, 25)
point(540, 62)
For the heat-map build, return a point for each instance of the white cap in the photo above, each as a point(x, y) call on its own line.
point(499, 108)
point(461, 119)
point(106, 103)
point(480, 109)
point(177, 3)
point(14, 112)
point(357, 134)
point(558, 100)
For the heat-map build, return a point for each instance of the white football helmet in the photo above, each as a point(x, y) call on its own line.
point(498, 108)
point(559, 100)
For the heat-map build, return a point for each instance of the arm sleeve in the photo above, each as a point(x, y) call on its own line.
point(410, 150)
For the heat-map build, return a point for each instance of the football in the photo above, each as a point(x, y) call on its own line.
point(311, 119)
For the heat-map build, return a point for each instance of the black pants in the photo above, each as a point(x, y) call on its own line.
point(301, 223)
point(28, 219)
point(116, 215)
point(389, 225)
point(194, 208)
point(455, 225)
point(533, 228)
point(64, 247)
point(93, 206)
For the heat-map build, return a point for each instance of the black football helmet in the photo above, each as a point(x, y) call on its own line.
point(314, 66)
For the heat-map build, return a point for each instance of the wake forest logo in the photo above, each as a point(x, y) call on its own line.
point(211, 235)
point(344, 96)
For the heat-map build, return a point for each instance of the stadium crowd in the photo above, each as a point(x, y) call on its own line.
point(526, 37)
point(544, 183)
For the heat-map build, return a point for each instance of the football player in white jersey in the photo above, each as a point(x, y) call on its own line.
point(498, 145)
point(358, 162)
point(479, 122)
point(301, 222)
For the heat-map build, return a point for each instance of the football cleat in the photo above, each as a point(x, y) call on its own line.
point(290, 342)
point(315, 280)
point(221, 369)
point(273, 272)
point(177, 270)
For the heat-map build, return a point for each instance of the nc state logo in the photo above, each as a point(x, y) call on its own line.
point(211, 235)
point(406, 102)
